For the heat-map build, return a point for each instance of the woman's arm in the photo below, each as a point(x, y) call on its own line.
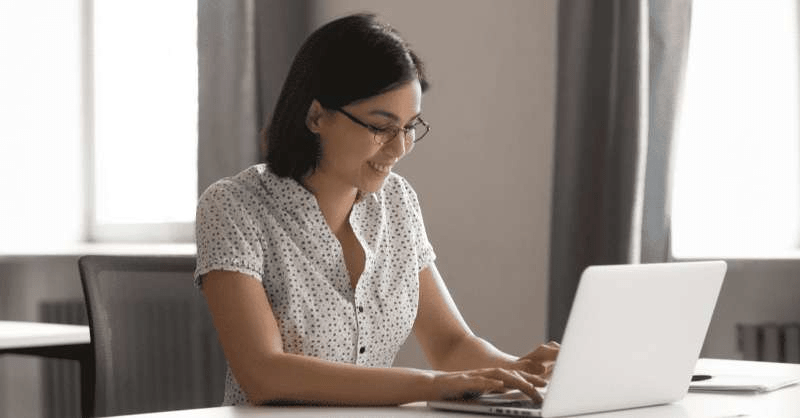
point(450, 345)
point(445, 338)
point(252, 344)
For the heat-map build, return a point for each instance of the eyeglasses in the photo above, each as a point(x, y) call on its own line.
point(383, 136)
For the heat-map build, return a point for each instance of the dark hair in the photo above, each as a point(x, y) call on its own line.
point(349, 59)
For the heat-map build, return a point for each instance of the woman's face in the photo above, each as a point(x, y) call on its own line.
point(350, 155)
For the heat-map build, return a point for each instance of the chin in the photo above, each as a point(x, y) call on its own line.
point(372, 186)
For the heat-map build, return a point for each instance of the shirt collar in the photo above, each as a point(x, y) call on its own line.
point(288, 191)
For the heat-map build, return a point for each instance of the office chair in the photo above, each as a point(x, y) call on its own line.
point(154, 345)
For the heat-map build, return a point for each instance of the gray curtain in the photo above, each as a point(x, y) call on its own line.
point(245, 49)
point(620, 72)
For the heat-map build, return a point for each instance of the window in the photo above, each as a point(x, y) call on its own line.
point(99, 116)
point(40, 118)
point(737, 168)
point(145, 119)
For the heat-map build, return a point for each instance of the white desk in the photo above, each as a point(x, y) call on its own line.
point(782, 403)
point(71, 342)
point(20, 335)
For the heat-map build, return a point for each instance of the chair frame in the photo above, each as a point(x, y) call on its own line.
point(91, 266)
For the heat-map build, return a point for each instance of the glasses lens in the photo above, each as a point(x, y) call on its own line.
point(411, 135)
point(386, 135)
point(420, 130)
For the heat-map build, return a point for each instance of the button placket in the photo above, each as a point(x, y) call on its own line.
point(360, 346)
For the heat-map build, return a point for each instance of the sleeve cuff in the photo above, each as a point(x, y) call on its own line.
point(200, 272)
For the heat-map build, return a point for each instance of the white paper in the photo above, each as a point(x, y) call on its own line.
point(742, 383)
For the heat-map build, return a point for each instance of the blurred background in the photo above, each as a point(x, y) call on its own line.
point(116, 115)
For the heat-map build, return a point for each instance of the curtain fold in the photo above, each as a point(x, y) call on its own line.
point(245, 49)
point(620, 67)
point(670, 23)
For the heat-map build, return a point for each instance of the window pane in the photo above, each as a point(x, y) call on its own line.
point(737, 182)
point(40, 117)
point(145, 69)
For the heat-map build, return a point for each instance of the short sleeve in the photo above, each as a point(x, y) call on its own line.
point(227, 235)
point(423, 247)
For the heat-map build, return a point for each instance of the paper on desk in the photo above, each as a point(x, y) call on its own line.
point(742, 383)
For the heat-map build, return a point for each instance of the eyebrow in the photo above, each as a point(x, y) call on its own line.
point(391, 115)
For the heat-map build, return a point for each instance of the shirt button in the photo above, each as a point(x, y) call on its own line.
point(361, 309)
point(362, 350)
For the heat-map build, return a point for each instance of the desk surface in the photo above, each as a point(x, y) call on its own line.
point(778, 404)
point(15, 335)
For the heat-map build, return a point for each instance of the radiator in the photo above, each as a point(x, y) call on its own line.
point(770, 342)
point(189, 370)
point(61, 396)
point(185, 367)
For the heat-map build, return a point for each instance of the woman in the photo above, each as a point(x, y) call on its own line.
point(316, 265)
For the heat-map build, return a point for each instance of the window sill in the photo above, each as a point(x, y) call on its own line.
point(94, 248)
point(774, 255)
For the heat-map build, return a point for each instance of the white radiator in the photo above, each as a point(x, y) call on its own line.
point(186, 370)
point(770, 342)
point(61, 379)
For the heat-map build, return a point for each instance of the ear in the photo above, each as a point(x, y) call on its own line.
point(314, 116)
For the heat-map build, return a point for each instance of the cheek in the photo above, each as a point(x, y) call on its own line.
point(346, 152)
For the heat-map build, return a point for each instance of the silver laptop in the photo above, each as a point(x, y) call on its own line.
point(632, 339)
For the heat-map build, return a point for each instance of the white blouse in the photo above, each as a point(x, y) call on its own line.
point(272, 229)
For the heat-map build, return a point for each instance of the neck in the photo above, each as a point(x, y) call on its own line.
point(335, 199)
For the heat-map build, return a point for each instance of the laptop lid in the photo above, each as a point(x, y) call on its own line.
point(633, 336)
point(632, 339)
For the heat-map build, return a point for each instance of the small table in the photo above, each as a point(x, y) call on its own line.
point(71, 342)
point(17, 335)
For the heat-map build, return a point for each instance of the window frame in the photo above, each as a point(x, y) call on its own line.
point(756, 289)
point(95, 232)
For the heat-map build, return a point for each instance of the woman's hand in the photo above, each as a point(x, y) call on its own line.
point(539, 362)
point(473, 383)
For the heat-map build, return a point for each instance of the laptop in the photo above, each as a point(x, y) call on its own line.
point(632, 339)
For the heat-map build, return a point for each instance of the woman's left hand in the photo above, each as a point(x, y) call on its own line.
point(540, 361)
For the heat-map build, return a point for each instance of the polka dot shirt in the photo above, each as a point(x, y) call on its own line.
point(272, 229)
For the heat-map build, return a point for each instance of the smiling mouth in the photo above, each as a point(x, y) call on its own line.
point(381, 168)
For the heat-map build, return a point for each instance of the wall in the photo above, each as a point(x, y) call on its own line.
point(755, 291)
point(483, 174)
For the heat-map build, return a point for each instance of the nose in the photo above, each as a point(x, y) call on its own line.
point(398, 147)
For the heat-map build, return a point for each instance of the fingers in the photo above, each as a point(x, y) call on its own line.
point(546, 352)
point(542, 360)
point(548, 369)
point(517, 379)
point(465, 385)
point(473, 383)
point(536, 380)
point(477, 386)
point(531, 366)
point(543, 369)
point(535, 373)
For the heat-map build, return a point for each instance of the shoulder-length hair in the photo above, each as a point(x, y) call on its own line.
point(347, 60)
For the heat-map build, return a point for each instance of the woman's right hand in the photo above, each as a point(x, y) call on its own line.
point(469, 384)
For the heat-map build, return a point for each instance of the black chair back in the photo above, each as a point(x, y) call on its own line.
point(155, 346)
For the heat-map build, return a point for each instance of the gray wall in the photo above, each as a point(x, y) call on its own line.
point(754, 292)
point(483, 174)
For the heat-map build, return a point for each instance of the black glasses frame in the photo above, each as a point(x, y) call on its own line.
point(391, 131)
